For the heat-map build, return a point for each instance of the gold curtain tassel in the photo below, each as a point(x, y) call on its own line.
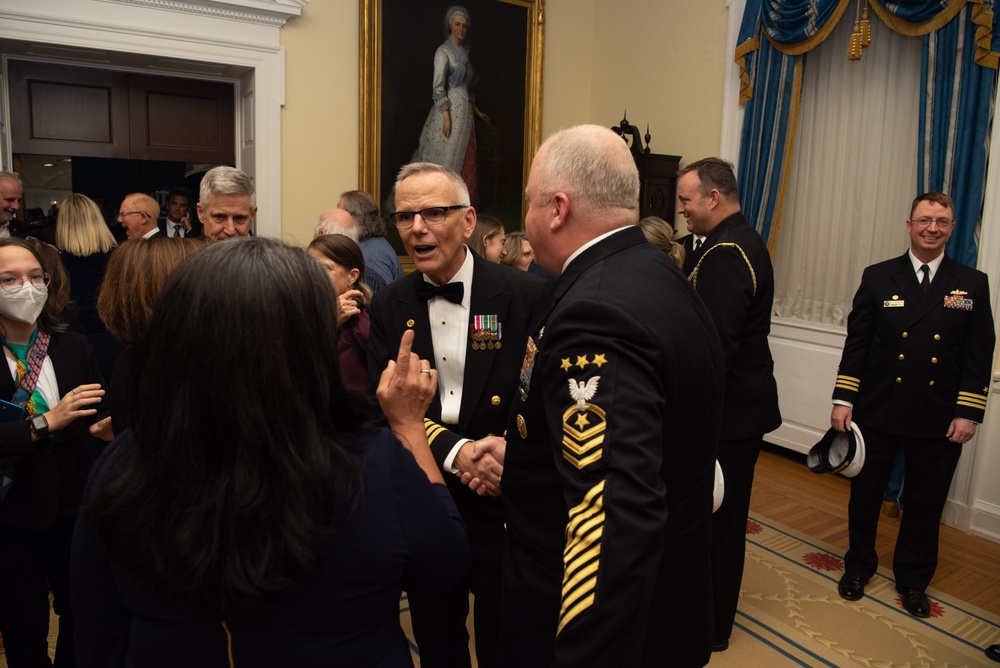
point(866, 29)
point(854, 50)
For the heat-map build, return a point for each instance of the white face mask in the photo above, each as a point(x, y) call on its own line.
point(26, 304)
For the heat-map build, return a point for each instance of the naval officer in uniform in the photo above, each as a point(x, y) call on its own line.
point(914, 376)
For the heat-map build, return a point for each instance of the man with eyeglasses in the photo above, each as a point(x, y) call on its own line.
point(138, 215)
point(471, 319)
point(914, 375)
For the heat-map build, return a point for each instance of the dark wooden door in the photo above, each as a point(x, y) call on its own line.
point(82, 111)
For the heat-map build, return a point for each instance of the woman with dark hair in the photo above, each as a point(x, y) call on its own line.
point(133, 280)
point(54, 376)
point(252, 516)
point(345, 265)
point(86, 244)
point(487, 239)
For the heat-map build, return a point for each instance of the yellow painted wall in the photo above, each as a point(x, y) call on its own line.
point(662, 59)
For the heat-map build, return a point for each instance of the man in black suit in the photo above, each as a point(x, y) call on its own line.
point(734, 277)
point(611, 443)
point(11, 198)
point(177, 222)
point(470, 318)
point(914, 375)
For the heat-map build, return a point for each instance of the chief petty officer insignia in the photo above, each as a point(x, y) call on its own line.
point(584, 422)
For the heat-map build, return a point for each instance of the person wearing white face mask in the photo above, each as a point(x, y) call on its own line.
point(54, 376)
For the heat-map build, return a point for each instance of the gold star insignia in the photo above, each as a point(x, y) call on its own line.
point(599, 360)
point(581, 361)
point(566, 364)
point(581, 421)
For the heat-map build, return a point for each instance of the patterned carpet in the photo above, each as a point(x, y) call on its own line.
point(790, 614)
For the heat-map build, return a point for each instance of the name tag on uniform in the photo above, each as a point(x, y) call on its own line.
point(893, 303)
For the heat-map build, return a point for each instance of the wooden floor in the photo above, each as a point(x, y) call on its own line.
point(786, 491)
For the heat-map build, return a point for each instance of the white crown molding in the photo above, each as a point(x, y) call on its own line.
point(267, 12)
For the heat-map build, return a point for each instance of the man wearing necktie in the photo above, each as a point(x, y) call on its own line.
point(177, 222)
point(471, 319)
point(914, 376)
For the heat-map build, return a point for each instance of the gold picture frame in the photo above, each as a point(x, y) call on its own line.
point(394, 34)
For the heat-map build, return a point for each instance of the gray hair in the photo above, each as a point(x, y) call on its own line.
point(225, 180)
point(10, 176)
point(415, 168)
point(450, 14)
point(325, 225)
point(364, 211)
point(598, 173)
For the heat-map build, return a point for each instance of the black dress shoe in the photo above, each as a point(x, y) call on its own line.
point(915, 601)
point(723, 645)
point(993, 651)
point(852, 587)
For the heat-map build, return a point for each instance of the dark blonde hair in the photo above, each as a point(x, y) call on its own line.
point(136, 272)
point(487, 227)
point(80, 227)
point(512, 248)
point(347, 253)
point(661, 234)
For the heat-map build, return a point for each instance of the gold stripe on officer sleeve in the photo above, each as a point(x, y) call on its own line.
point(971, 400)
point(582, 556)
point(433, 430)
point(848, 383)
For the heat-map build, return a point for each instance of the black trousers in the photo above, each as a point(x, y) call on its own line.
point(929, 464)
point(30, 563)
point(439, 617)
point(729, 530)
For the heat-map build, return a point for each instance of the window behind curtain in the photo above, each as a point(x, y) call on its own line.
point(853, 172)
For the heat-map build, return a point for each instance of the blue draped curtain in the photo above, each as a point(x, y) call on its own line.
point(957, 88)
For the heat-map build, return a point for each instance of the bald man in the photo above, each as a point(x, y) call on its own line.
point(138, 214)
point(11, 197)
point(610, 456)
point(335, 221)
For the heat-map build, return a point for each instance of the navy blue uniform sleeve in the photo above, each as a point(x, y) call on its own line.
point(438, 550)
point(604, 405)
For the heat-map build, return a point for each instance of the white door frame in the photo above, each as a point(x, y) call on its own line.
point(234, 40)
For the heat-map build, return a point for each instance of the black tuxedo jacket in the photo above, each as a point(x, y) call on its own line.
point(913, 362)
point(735, 279)
point(51, 472)
point(610, 467)
point(490, 375)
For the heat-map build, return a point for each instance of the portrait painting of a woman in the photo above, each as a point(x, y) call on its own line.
point(448, 137)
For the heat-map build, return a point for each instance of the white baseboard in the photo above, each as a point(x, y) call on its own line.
point(984, 521)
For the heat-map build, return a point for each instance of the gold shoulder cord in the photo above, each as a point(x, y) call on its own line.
point(229, 643)
point(753, 274)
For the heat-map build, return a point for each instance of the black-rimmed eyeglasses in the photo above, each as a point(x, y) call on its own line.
point(434, 215)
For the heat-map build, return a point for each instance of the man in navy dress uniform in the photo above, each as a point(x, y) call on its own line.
point(914, 375)
point(611, 444)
